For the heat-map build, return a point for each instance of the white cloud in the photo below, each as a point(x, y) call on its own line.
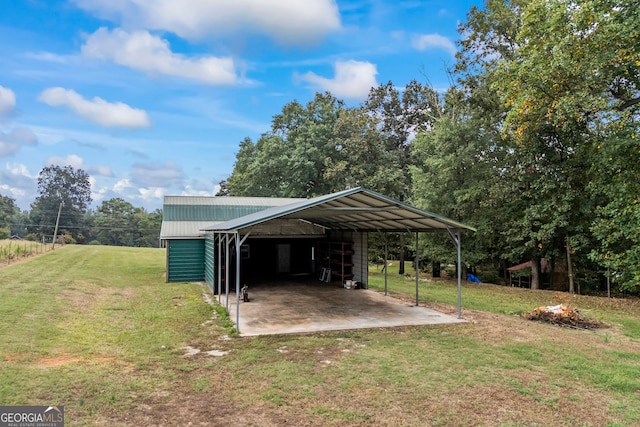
point(122, 186)
point(100, 170)
point(152, 193)
point(12, 141)
point(97, 194)
point(142, 51)
point(48, 57)
point(72, 160)
point(200, 188)
point(156, 175)
point(18, 183)
point(7, 101)
point(353, 79)
point(126, 189)
point(291, 22)
point(434, 41)
point(78, 162)
point(97, 109)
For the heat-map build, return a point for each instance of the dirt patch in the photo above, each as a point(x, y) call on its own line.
point(15, 358)
point(213, 407)
point(77, 298)
point(54, 361)
point(65, 359)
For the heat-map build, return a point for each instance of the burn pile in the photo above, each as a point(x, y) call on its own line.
point(563, 315)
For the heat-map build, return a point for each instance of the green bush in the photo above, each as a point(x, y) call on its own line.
point(490, 277)
point(5, 233)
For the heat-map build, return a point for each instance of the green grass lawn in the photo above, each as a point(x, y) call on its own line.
point(98, 330)
point(505, 300)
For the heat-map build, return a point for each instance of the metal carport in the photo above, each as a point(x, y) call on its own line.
point(357, 209)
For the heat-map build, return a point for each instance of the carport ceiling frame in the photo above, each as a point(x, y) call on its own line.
point(356, 209)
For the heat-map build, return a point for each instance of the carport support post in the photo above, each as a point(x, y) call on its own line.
point(239, 243)
point(238, 282)
point(219, 268)
point(386, 257)
point(459, 244)
point(417, 267)
point(226, 269)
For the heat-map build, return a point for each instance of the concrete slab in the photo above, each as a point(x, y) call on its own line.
point(303, 307)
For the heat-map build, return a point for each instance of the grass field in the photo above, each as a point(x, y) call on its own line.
point(97, 329)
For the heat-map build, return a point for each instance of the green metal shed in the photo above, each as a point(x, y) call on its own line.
point(185, 260)
point(183, 219)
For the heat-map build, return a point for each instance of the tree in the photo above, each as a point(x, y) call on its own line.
point(64, 186)
point(8, 212)
point(574, 79)
point(224, 189)
point(289, 161)
point(399, 119)
point(361, 158)
point(617, 223)
point(147, 228)
point(560, 83)
point(456, 172)
point(114, 222)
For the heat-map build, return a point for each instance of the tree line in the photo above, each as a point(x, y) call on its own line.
point(64, 195)
point(535, 144)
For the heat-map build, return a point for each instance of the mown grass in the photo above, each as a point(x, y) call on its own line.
point(96, 329)
point(79, 323)
point(506, 300)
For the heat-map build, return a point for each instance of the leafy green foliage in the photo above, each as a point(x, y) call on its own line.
point(361, 158)
point(555, 82)
point(118, 223)
point(8, 211)
point(114, 222)
point(58, 186)
point(617, 224)
point(289, 161)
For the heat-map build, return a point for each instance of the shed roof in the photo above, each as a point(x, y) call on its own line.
point(356, 209)
point(184, 217)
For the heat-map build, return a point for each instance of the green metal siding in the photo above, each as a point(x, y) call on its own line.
point(185, 260)
point(207, 213)
point(209, 267)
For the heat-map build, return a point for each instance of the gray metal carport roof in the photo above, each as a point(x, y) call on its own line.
point(356, 209)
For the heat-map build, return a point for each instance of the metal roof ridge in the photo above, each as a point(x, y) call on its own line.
point(278, 211)
point(420, 210)
point(283, 210)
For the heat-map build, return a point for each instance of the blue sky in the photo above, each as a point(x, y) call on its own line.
point(152, 97)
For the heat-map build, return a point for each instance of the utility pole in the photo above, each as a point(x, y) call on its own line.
point(55, 233)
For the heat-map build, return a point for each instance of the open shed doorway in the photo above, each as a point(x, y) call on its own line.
point(264, 261)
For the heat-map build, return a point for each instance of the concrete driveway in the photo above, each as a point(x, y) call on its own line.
point(286, 308)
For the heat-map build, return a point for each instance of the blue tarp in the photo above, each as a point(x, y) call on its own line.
point(472, 278)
